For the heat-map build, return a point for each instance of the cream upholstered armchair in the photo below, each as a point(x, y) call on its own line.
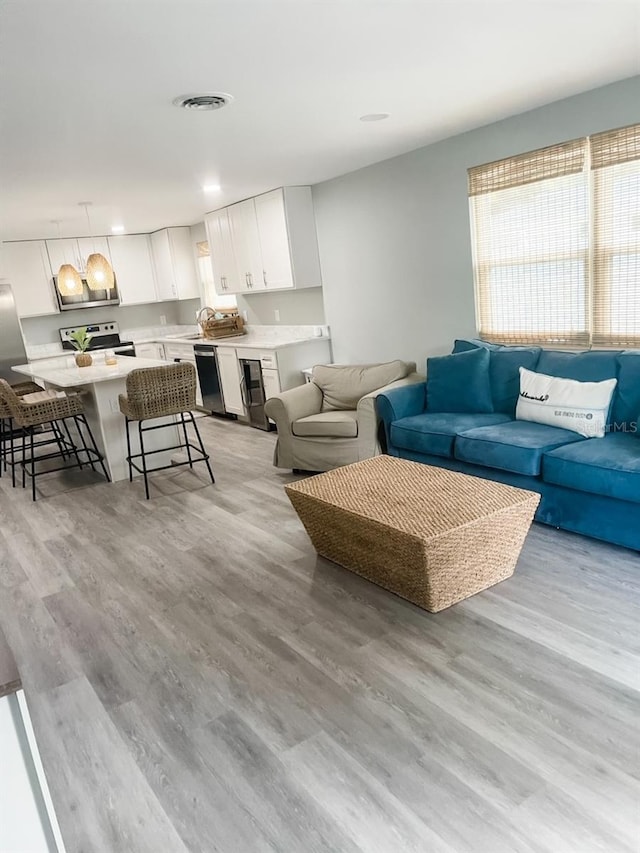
point(331, 421)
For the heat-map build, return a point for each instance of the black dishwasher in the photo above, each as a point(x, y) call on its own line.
point(209, 376)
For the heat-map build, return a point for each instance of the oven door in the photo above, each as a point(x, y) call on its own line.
point(128, 350)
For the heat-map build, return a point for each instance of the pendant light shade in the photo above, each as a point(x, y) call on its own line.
point(99, 272)
point(69, 281)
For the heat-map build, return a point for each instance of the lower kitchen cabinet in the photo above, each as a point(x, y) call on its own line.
point(150, 351)
point(230, 381)
point(271, 382)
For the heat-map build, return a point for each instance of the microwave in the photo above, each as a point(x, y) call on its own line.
point(88, 298)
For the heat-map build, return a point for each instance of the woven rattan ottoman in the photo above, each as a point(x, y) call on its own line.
point(430, 535)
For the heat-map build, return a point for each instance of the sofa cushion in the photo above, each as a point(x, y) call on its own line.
point(335, 424)
point(466, 344)
point(504, 372)
point(593, 366)
point(433, 433)
point(504, 366)
point(607, 466)
point(459, 382)
point(343, 386)
point(581, 407)
point(516, 446)
point(626, 401)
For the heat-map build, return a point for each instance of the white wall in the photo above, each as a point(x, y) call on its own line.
point(394, 237)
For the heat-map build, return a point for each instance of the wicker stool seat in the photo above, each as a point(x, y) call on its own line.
point(44, 409)
point(161, 392)
point(7, 436)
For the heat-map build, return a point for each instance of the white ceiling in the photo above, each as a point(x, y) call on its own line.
point(86, 89)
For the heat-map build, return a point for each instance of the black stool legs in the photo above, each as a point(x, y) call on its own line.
point(202, 455)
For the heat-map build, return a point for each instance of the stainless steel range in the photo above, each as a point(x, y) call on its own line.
point(104, 336)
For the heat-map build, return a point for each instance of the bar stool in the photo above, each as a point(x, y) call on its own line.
point(52, 414)
point(7, 431)
point(159, 392)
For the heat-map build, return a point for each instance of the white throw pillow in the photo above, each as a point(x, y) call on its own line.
point(581, 407)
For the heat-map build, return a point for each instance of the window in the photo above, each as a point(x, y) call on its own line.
point(205, 272)
point(556, 242)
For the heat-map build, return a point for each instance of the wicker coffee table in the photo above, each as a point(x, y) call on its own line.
point(430, 535)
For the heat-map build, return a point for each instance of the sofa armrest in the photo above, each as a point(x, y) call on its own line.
point(402, 402)
point(287, 407)
point(367, 420)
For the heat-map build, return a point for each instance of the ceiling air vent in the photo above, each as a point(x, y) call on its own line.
point(210, 101)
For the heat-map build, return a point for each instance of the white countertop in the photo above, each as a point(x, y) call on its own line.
point(241, 341)
point(258, 337)
point(74, 377)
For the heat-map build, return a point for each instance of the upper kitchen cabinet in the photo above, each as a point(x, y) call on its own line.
point(287, 229)
point(176, 276)
point(75, 251)
point(222, 253)
point(265, 243)
point(133, 267)
point(26, 267)
point(245, 238)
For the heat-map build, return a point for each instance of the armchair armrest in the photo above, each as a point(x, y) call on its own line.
point(368, 442)
point(287, 407)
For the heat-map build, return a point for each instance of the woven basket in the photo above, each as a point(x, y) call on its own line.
point(228, 326)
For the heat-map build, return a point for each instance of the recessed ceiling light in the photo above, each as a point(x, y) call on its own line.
point(203, 101)
point(374, 117)
point(117, 229)
point(212, 188)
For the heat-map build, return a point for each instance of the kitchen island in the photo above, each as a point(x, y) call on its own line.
point(102, 385)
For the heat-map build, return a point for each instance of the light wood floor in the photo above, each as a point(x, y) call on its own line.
point(200, 681)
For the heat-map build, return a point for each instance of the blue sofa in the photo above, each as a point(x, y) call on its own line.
point(587, 485)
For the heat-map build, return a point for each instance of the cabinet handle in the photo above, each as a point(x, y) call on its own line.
point(223, 282)
point(264, 277)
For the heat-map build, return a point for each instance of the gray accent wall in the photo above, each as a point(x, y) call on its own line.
point(295, 307)
point(394, 237)
point(44, 330)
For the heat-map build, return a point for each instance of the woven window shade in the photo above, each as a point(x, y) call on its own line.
point(531, 248)
point(567, 158)
point(616, 242)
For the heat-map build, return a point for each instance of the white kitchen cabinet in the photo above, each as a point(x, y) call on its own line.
point(150, 350)
point(176, 276)
point(63, 252)
point(75, 251)
point(230, 380)
point(26, 267)
point(246, 244)
point(270, 240)
point(90, 246)
point(286, 224)
point(271, 382)
point(222, 254)
point(178, 351)
point(133, 267)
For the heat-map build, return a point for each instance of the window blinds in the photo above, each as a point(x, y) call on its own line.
point(615, 164)
point(530, 229)
point(557, 244)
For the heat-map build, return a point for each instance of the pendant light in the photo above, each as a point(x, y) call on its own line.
point(99, 272)
point(68, 280)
